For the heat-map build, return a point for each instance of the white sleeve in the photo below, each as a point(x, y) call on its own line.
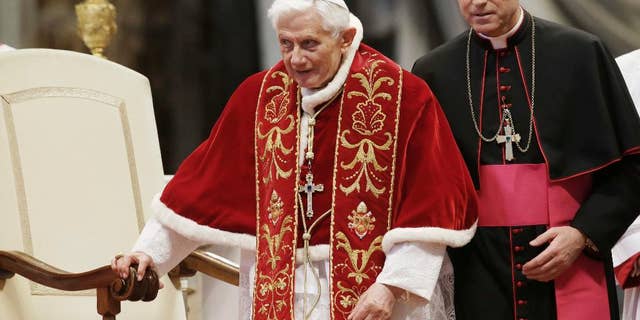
point(414, 267)
point(628, 245)
point(165, 246)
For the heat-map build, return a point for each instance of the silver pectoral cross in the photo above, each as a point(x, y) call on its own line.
point(309, 188)
point(508, 138)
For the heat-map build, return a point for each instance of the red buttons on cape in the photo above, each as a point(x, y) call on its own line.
point(505, 88)
point(516, 230)
point(519, 284)
point(504, 69)
point(522, 302)
point(518, 266)
point(518, 248)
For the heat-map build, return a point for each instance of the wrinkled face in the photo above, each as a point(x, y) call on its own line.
point(490, 17)
point(311, 54)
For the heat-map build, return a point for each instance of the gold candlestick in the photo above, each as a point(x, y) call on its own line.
point(96, 24)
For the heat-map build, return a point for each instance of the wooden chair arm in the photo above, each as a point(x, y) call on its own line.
point(110, 288)
point(209, 264)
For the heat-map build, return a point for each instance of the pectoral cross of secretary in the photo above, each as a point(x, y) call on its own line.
point(309, 188)
point(508, 138)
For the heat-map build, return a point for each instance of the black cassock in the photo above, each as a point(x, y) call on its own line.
point(585, 124)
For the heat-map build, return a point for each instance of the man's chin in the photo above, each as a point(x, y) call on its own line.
point(487, 29)
point(308, 83)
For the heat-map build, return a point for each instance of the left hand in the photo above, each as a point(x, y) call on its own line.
point(565, 245)
point(375, 304)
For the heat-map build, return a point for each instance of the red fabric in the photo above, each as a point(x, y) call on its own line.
point(426, 184)
point(503, 204)
point(215, 185)
point(623, 273)
point(434, 186)
point(276, 140)
point(521, 194)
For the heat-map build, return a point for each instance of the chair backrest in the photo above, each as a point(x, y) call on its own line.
point(79, 164)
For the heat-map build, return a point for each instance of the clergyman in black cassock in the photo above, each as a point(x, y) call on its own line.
point(551, 138)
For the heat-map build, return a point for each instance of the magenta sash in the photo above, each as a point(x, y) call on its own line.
point(521, 195)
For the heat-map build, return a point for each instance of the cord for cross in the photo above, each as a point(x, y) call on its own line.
point(306, 237)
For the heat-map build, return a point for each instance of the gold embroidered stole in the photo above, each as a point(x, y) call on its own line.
point(362, 190)
point(364, 177)
point(276, 152)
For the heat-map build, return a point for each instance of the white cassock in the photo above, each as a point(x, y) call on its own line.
point(629, 243)
point(421, 269)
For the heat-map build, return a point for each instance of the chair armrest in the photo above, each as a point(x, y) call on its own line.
point(209, 264)
point(110, 288)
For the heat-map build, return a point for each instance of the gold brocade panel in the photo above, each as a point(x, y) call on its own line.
point(364, 178)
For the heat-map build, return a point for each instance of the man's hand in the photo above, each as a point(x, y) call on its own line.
point(121, 264)
point(375, 304)
point(565, 245)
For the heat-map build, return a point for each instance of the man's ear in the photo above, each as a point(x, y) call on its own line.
point(346, 38)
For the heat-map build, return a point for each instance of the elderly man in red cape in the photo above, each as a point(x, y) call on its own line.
point(336, 173)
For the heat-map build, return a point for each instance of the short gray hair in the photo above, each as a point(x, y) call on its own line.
point(335, 18)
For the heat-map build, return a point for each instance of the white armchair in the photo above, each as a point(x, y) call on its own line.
point(79, 164)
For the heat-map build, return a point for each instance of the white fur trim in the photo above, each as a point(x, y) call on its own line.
point(316, 253)
point(312, 98)
point(452, 238)
point(196, 232)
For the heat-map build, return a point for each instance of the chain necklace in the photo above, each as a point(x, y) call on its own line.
point(505, 114)
point(310, 187)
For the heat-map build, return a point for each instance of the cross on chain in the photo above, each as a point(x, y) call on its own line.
point(309, 188)
point(508, 138)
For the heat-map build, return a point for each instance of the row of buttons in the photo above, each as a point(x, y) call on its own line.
point(517, 246)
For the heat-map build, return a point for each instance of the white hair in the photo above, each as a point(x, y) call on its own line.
point(335, 18)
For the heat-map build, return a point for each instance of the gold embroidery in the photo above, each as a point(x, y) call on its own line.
point(276, 109)
point(275, 242)
point(346, 297)
point(358, 258)
point(275, 112)
point(273, 289)
point(357, 266)
point(395, 148)
point(364, 160)
point(365, 157)
point(361, 220)
point(275, 161)
point(275, 207)
point(368, 119)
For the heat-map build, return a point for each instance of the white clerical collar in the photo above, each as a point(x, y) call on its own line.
point(500, 42)
point(314, 97)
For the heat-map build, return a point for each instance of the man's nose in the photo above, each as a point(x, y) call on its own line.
point(479, 3)
point(297, 57)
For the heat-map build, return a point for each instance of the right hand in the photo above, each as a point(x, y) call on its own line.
point(121, 264)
